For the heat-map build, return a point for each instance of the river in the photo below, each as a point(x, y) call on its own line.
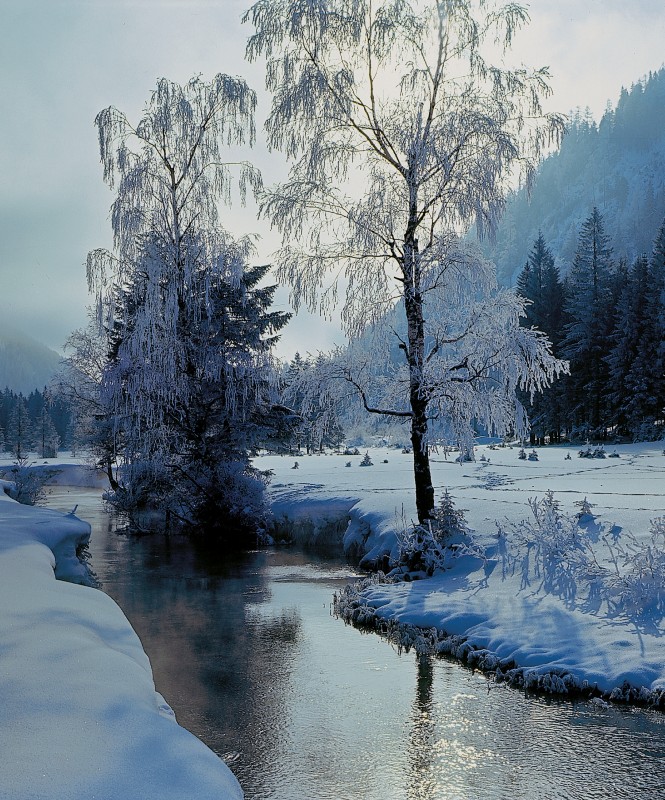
point(303, 707)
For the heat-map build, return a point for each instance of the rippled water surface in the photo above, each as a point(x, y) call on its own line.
point(303, 707)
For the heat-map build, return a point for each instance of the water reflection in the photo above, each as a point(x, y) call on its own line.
point(305, 708)
point(422, 740)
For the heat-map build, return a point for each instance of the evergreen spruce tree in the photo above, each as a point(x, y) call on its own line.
point(621, 352)
point(586, 342)
point(6, 405)
point(656, 312)
point(637, 358)
point(629, 328)
point(186, 387)
point(540, 283)
point(47, 440)
point(20, 432)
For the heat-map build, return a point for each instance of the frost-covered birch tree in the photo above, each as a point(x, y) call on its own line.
point(401, 133)
point(189, 332)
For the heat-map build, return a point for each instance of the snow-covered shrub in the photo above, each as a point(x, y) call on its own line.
point(367, 461)
point(425, 548)
point(638, 581)
point(549, 547)
point(649, 431)
point(627, 575)
point(29, 483)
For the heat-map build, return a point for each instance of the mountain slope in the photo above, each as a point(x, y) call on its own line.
point(617, 165)
point(25, 364)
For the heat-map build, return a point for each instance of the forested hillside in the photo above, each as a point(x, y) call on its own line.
point(607, 317)
point(617, 166)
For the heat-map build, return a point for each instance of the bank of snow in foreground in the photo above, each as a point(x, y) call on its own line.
point(580, 609)
point(79, 715)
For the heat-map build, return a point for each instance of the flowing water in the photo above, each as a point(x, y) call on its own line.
point(302, 707)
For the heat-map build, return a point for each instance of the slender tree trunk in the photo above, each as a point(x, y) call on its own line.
point(413, 303)
point(421, 467)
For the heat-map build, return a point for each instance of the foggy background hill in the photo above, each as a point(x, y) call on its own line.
point(25, 363)
point(617, 165)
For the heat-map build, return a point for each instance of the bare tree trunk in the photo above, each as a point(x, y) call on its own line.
point(413, 304)
point(421, 468)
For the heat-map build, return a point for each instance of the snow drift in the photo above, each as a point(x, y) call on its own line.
point(80, 714)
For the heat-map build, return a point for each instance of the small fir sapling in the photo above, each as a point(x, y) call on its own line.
point(425, 548)
point(367, 461)
point(450, 520)
point(585, 509)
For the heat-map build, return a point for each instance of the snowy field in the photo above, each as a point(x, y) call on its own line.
point(79, 715)
point(582, 608)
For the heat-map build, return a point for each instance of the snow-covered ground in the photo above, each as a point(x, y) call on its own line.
point(79, 715)
point(588, 612)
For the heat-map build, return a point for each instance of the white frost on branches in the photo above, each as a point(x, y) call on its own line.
point(397, 127)
point(171, 253)
point(476, 356)
point(401, 135)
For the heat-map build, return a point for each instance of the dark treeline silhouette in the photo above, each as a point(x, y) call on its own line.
point(607, 317)
point(37, 423)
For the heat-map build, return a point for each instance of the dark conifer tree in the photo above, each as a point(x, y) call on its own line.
point(587, 334)
point(654, 350)
point(629, 328)
point(541, 284)
point(20, 429)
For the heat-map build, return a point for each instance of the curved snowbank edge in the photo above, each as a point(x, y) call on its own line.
point(353, 609)
point(81, 716)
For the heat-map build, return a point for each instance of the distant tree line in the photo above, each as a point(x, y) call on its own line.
point(38, 423)
point(607, 318)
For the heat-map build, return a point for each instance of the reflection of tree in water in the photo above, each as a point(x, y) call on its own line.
point(221, 654)
point(422, 784)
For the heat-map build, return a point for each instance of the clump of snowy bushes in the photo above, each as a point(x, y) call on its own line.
point(28, 481)
point(637, 582)
point(581, 560)
point(431, 546)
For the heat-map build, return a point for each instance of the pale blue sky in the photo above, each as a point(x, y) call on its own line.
point(62, 61)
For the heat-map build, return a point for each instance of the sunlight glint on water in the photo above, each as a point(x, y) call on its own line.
point(305, 708)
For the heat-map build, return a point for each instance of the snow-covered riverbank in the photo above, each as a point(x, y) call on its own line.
point(79, 715)
point(595, 619)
